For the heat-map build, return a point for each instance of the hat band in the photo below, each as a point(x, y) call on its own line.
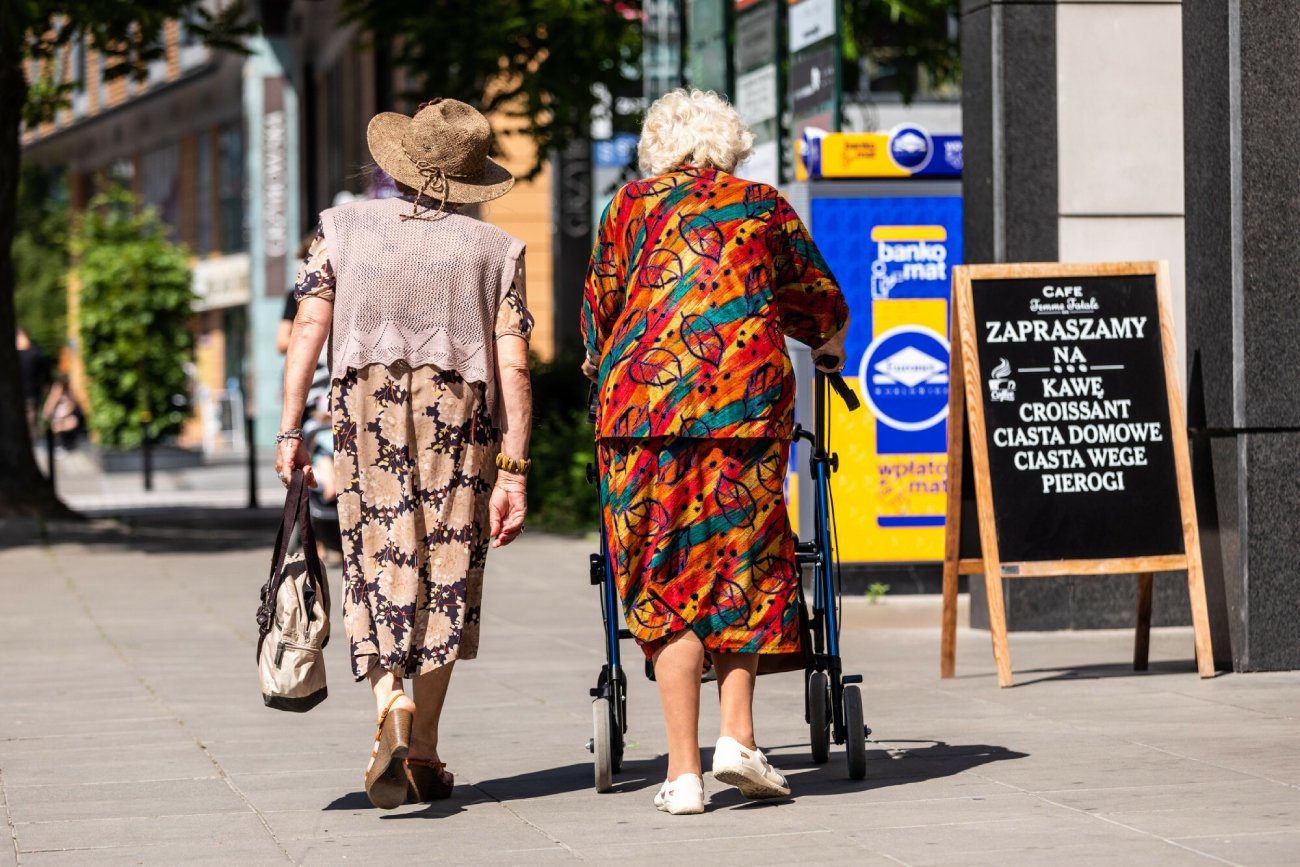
point(436, 185)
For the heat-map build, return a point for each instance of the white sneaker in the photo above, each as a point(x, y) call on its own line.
point(682, 796)
point(748, 770)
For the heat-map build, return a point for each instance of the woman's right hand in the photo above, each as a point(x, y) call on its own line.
point(291, 454)
point(507, 509)
point(590, 368)
point(829, 357)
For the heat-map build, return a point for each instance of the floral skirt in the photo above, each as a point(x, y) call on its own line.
point(700, 539)
point(415, 457)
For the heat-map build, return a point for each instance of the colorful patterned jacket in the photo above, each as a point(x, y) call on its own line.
point(695, 280)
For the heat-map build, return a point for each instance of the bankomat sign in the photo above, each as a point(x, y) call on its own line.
point(907, 255)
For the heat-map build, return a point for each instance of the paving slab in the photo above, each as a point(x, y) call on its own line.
point(202, 830)
point(147, 798)
point(1262, 849)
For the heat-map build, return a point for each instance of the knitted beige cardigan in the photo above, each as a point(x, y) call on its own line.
point(425, 292)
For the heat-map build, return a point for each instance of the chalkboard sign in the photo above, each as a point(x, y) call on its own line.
point(1076, 445)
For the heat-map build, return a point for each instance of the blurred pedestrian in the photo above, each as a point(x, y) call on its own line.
point(34, 369)
point(696, 280)
point(431, 410)
point(63, 414)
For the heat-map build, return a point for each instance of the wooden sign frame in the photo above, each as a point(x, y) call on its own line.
point(967, 397)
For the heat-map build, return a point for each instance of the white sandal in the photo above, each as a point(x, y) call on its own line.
point(748, 770)
point(683, 796)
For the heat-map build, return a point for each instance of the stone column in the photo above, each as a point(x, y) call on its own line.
point(1242, 122)
point(1072, 126)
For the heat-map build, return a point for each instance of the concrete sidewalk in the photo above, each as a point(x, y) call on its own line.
point(131, 732)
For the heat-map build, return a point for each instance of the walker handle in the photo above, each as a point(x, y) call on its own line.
point(842, 389)
point(592, 399)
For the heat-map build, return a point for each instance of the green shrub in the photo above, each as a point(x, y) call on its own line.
point(135, 312)
point(559, 497)
point(40, 252)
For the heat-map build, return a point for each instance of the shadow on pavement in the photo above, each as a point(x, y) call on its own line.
point(436, 810)
point(892, 764)
point(186, 530)
point(1100, 671)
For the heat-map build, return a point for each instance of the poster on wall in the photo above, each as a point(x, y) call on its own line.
point(893, 257)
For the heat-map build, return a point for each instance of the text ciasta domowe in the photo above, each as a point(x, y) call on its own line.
point(1076, 438)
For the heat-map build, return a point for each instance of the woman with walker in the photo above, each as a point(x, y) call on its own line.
point(696, 279)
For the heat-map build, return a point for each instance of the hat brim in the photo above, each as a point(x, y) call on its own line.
point(384, 136)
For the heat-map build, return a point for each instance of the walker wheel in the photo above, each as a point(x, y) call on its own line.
point(855, 732)
point(602, 746)
point(819, 716)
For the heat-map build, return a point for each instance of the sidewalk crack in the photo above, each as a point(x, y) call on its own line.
point(538, 828)
point(9, 818)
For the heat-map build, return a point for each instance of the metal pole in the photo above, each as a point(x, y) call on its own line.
point(49, 453)
point(252, 461)
point(146, 453)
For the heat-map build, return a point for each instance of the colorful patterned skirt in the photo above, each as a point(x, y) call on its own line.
point(700, 539)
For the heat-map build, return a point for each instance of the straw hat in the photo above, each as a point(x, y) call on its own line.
point(441, 152)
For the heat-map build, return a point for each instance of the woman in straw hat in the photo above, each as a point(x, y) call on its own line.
point(696, 280)
point(432, 406)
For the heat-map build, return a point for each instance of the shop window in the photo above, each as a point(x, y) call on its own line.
point(160, 184)
point(233, 226)
point(203, 225)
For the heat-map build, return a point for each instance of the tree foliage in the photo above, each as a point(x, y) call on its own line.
point(916, 39)
point(136, 306)
point(41, 259)
point(539, 62)
point(128, 33)
point(560, 498)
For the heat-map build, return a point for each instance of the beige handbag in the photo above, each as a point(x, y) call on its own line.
point(294, 617)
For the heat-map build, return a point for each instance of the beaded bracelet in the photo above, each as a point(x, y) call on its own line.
point(514, 465)
point(293, 433)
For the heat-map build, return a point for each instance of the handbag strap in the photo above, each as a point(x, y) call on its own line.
point(295, 514)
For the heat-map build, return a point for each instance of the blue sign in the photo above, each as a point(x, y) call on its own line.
point(616, 152)
point(904, 377)
point(910, 147)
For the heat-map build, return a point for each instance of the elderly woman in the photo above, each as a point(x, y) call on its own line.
point(696, 279)
point(431, 406)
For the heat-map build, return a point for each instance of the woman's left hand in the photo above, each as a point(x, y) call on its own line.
point(590, 368)
point(291, 454)
point(507, 510)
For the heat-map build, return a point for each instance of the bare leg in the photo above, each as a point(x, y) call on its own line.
point(430, 691)
point(678, 666)
point(736, 672)
point(385, 683)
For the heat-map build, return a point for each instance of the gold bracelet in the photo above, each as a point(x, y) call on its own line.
point(514, 465)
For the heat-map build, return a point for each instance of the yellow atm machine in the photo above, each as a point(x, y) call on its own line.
point(886, 212)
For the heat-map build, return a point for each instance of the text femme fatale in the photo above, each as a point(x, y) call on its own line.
point(1065, 330)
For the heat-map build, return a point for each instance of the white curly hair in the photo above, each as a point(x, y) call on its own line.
point(695, 127)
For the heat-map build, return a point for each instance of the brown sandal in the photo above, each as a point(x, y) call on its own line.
point(385, 776)
point(428, 781)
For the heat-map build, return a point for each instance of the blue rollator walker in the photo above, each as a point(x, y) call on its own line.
point(832, 699)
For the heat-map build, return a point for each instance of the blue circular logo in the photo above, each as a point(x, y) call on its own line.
point(910, 147)
point(904, 377)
